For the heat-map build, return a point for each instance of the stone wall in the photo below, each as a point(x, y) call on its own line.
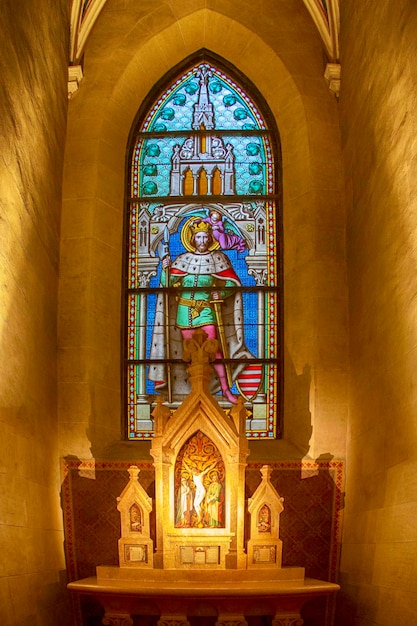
point(284, 59)
point(33, 106)
point(379, 121)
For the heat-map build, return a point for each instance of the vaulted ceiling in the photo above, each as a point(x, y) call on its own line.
point(84, 14)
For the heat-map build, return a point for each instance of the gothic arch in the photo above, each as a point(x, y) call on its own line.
point(204, 116)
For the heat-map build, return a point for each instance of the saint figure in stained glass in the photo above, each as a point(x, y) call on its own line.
point(207, 299)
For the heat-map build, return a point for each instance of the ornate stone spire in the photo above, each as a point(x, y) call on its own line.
point(203, 110)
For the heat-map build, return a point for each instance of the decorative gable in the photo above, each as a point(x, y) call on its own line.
point(134, 504)
point(265, 507)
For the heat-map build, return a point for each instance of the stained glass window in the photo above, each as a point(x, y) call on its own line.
point(203, 249)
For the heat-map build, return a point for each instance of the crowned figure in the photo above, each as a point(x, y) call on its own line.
point(208, 297)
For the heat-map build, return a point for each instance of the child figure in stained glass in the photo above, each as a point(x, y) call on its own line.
point(226, 239)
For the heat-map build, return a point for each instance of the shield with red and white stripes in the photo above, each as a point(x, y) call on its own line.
point(249, 380)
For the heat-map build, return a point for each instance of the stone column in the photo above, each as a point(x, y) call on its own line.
point(195, 183)
point(210, 184)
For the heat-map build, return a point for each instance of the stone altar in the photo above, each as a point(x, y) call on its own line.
point(200, 457)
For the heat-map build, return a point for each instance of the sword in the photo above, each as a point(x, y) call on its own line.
point(217, 306)
point(163, 251)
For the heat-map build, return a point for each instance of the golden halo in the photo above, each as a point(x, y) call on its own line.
point(186, 235)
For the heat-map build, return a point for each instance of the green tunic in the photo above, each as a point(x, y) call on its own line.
point(189, 273)
point(195, 304)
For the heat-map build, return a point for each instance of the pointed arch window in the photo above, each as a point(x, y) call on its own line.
point(203, 246)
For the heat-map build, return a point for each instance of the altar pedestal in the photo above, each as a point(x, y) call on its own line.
point(230, 599)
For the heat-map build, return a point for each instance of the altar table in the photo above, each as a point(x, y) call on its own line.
point(230, 599)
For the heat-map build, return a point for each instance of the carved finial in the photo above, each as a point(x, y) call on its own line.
point(133, 471)
point(161, 414)
point(199, 349)
point(134, 475)
point(266, 472)
point(239, 414)
point(203, 109)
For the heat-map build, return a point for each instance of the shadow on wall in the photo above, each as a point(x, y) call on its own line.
point(297, 428)
point(293, 421)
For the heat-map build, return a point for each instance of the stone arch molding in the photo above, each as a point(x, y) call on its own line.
point(84, 15)
point(227, 39)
